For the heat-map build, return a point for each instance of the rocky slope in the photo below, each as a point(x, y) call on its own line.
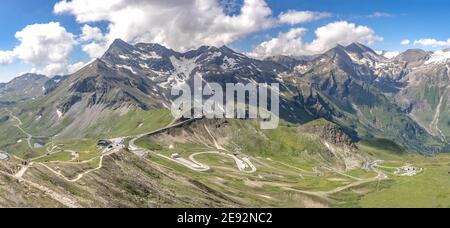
point(356, 86)
point(22, 89)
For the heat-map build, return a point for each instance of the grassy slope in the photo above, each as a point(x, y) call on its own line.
point(429, 189)
point(131, 123)
point(284, 154)
point(285, 158)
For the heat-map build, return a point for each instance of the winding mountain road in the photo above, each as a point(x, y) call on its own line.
point(326, 194)
point(244, 165)
point(192, 163)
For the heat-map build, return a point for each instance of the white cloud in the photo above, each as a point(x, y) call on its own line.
point(6, 57)
point(52, 69)
point(327, 37)
point(289, 43)
point(46, 46)
point(42, 44)
point(180, 25)
point(343, 33)
point(72, 68)
point(432, 42)
point(95, 49)
point(405, 42)
point(93, 41)
point(91, 33)
point(391, 54)
point(296, 17)
point(58, 69)
point(388, 54)
point(380, 14)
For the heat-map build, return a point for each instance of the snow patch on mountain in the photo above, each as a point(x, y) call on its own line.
point(229, 63)
point(213, 56)
point(439, 57)
point(144, 65)
point(183, 71)
point(124, 57)
point(127, 68)
point(147, 56)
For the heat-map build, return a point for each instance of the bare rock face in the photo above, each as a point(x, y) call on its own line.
point(340, 147)
point(333, 134)
point(413, 56)
point(329, 132)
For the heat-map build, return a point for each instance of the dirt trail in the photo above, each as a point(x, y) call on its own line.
point(326, 194)
point(80, 176)
point(64, 200)
point(214, 140)
point(22, 171)
point(18, 125)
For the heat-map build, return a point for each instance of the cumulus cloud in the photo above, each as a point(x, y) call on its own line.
point(391, 54)
point(343, 33)
point(51, 69)
point(93, 41)
point(180, 25)
point(405, 42)
point(95, 49)
point(6, 57)
point(289, 43)
point(296, 17)
point(72, 68)
point(327, 37)
point(91, 33)
point(58, 69)
point(42, 45)
point(432, 42)
point(388, 54)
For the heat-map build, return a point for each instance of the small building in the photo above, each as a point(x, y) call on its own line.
point(104, 143)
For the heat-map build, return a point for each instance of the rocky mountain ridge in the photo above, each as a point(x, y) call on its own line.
point(365, 93)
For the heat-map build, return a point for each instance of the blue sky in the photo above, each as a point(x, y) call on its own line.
point(394, 20)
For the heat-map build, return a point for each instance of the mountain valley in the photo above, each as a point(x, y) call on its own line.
point(357, 130)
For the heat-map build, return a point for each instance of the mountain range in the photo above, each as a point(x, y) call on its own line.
point(104, 136)
point(403, 99)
